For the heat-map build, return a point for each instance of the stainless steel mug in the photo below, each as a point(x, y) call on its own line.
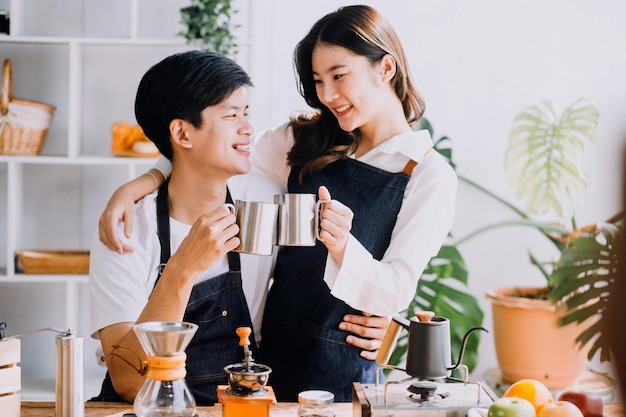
point(257, 226)
point(298, 219)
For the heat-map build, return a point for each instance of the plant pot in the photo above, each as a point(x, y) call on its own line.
point(528, 342)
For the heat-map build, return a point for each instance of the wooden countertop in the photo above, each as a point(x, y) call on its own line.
point(46, 409)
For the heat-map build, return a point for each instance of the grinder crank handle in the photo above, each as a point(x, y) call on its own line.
point(389, 339)
point(244, 334)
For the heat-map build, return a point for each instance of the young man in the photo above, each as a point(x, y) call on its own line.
point(193, 106)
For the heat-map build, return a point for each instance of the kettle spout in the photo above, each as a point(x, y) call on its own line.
point(463, 343)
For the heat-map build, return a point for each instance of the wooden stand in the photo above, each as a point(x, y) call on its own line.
point(245, 406)
point(10, 377)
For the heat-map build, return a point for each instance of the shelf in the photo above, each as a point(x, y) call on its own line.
point(94, 41)
point(44, 278)
point(86, 58)
point(67, 40)
point(80, 160)
point(44, 389)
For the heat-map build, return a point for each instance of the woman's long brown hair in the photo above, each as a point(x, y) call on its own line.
point(363, 30)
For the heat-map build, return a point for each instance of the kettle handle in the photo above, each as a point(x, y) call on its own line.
point(389, 339)
point(470, 331)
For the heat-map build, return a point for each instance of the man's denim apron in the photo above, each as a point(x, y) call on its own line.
point(302, 342)
point(218, 306)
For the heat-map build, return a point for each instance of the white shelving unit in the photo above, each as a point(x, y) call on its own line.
point(85, 57)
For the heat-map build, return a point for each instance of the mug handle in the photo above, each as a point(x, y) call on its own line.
point(233, 210)
point(318, 211)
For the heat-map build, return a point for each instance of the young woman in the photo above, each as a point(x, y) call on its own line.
point(359, 146)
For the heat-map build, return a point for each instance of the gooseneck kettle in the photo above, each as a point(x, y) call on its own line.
point(428, 352)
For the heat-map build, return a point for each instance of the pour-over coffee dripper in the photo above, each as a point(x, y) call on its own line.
point(165, 392)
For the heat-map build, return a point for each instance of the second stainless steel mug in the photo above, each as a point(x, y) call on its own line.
point(298, 219)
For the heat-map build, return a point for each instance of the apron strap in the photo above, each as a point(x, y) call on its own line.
point(163, 228)
point(234, 262)
point(408, 168)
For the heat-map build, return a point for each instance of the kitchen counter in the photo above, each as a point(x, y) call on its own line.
point(46, 409)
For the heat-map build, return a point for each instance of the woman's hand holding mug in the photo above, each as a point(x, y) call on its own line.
point(335, 225)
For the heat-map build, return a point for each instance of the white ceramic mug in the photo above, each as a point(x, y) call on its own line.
point(298, 219)
point(257, 226)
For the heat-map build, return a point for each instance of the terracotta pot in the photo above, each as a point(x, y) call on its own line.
point(528, 342)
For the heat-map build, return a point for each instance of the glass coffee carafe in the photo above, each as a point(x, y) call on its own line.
point(165, 392)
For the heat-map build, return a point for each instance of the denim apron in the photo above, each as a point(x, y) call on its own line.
point(218, 306)
point(302, 342)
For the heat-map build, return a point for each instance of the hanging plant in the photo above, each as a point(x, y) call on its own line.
point(207, 25)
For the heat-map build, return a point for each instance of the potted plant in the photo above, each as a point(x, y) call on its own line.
point(543, 164)
point(207, 25)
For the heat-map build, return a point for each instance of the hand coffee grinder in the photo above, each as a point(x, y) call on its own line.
point(165, 392)
point(247, 393)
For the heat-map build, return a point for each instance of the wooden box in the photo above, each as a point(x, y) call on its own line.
point(10, 405)
point(10, 377)
point(9, 352)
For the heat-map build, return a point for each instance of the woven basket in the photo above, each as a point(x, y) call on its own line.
point(53, 262)
point(23, 123)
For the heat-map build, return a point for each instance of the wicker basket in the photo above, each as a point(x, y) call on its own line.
point(23, 123)
point(52, 262)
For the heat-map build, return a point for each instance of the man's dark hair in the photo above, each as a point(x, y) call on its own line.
point(180, 87)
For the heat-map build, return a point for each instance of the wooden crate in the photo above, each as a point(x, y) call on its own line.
point(10, 377)
point(10, 405)
point(9, 352)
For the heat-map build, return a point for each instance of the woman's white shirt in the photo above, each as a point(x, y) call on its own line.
point(387, 286)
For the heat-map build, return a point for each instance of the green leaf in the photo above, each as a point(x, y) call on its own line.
point(583, 279)
point(544, 152)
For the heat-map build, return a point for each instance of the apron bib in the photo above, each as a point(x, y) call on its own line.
point(302, 342)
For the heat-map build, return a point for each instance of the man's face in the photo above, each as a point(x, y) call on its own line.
point(221, 146)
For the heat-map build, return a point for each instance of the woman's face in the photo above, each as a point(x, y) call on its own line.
point(348, 84)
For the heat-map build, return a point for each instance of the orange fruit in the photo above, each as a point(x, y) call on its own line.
point(532, 390)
